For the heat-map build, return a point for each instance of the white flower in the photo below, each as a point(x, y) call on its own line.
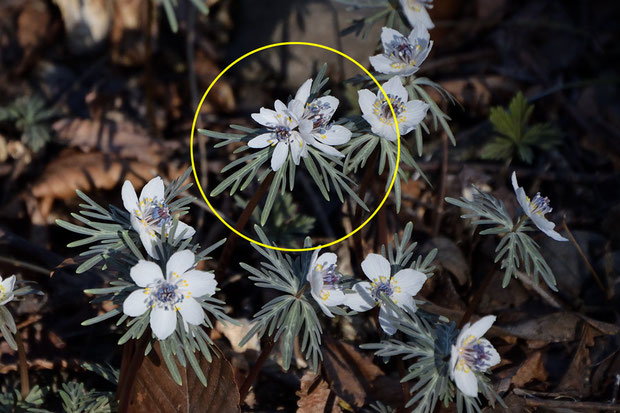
point(314, 125)
point(400, 289)
point(536, 209)
point(150, 214)
point(472, 353)
point(165, 295)
point(402, 55)
point(325, 281)
point(281, 124)
point(415, 12)
point(6, 289)
point(377, 113)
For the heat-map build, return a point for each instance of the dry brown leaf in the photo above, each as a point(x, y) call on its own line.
point(354, 377)
point(314, 395)
point(450, 258)
point(531, 369)
point(553, 328)
point(155, 391)
point(235, 333)
point(73, 170)
point(33, 25)
point(576, 379)
point(221, 96)
point(123, 138)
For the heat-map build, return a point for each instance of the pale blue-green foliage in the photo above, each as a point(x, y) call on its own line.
point(7, 323)
point(12, 401)
point(76, 399)
point(427, 343)
point(326, 171)
point(291, 313)
point(31, 117)
point(364, 143)
point(115, 247)
point(516, 249)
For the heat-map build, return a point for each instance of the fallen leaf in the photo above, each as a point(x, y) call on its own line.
point(72, 170)
point(553, 328)
point(120, 137)
point(235, 334)
point(531, 369)
point(354, 377)
point(450, 258)
point(156, 391)
point(315, 394)
point(576, 380)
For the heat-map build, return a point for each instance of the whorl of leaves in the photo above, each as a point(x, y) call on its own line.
point(516, 249)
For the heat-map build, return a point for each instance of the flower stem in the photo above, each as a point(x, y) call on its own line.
point(241, 223)
point(519, 223)
point(253, 374)
point(599, 283)
point(357, 219)
point(23, 366)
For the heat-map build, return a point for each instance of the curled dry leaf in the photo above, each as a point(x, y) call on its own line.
point(235, 334)
point(121, 137)
point(531, 369)
point(155, 391)
point(73, 170)
point(450, 258)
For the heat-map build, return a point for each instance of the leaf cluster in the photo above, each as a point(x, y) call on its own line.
point(514, 134)
point(30, 116)
point(516, 249)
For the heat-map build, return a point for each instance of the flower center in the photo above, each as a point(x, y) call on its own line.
point(164, 295)
point(540, 205)
point(331, 278)
point(383, 111)
point(282, 133)
point(382, 285)
point(316, 112)
point(154, 213)
point(475, 353)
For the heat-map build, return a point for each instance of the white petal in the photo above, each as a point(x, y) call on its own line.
point(404, 300)
point(330, 103)
point(149, 241)
point(366, 100)
point(296, 110)
point(395, 87)
point(130, 199)
point(297, 147)
point(191, 311)
point(303, 93)
point(480, 327)
point(280, 108)
point(145, 273)
point(184, 231)
point(163, 322)
point(335, 135)
point(312, 266)
point(419, 33)
point(416, 14)
point(385, 131)
point(388, 35)
point(454, 358)
point(466, 382)
point(154, 189)
point(8, 284)
point(326, 259)
point(179, 263)
point(410, 281)
point(305, 128)
point(333, 298)
point(265, 117)
point(416, 112)
point(200, 283)
point(376, 266)
point(136, 303)
point(546, 226)
point(316, 284)
point(385, 320)
point(262, 141)
point(360, 300)
point(495, 358)
point(384, 64)
point(279, 156)
point(327, 149)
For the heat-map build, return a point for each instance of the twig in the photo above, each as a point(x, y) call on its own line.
point(357, 238)
point(586, 261)
point(241, 222)
point(249, 380)
point(561, 404)
point(405, 387)
point(26, 265)
point(473, 304)
point(442, 184)
point(23, 366)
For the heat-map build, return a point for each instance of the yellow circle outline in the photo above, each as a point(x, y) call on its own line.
point(269, 46)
